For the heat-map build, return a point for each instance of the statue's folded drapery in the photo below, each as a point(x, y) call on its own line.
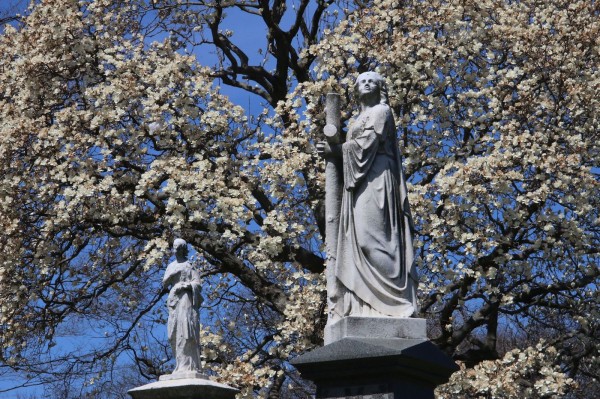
point(375, 251)
point(184, 324)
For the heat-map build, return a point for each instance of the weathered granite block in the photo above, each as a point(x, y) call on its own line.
point(376, 327)
point(180, 375)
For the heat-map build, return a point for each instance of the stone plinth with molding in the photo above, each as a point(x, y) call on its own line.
point(186, 385)
point(376, 358)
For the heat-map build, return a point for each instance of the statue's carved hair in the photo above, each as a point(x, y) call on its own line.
point(378, 79)
point(179, 243)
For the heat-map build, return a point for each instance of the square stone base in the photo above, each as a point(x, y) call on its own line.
point(376, 368)
point(376, 327)
point(182, 375)
point(183, 388)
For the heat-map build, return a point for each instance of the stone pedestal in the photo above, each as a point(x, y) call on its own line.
point(392, 361)
point(376, 327)
point(190, 385)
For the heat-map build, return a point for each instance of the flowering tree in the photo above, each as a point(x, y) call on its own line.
point(114, 140)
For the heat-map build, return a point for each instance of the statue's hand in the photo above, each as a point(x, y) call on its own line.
point(327, 150)
point(181, 287)
point(324, 149)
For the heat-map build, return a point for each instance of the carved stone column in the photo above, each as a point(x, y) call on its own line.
point(334, 181)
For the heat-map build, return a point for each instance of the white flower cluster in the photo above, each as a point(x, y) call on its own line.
point(110, 146)
point(528, 373)
point(497, 112)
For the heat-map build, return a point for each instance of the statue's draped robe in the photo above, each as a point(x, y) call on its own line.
point(184, 324)
point(374, 266)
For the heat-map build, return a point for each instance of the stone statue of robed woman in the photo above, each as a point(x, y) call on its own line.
point(373, 273)
point(374, 344)
point(183, 304)
point(183, 327)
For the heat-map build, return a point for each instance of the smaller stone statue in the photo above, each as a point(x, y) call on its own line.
point(183, 304)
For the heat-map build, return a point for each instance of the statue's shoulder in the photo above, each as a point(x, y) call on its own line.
point(381, 115)
point(381, 111)
point(176, 267)
point(171, 266)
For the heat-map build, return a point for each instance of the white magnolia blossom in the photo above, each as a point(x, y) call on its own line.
point(528, 373)
point(114, 140)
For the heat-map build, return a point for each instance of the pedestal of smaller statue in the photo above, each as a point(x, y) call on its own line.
point(184, 385)
point(383, 358)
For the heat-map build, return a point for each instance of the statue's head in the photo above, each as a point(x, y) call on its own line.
point(368, 81)
point(180, 247)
